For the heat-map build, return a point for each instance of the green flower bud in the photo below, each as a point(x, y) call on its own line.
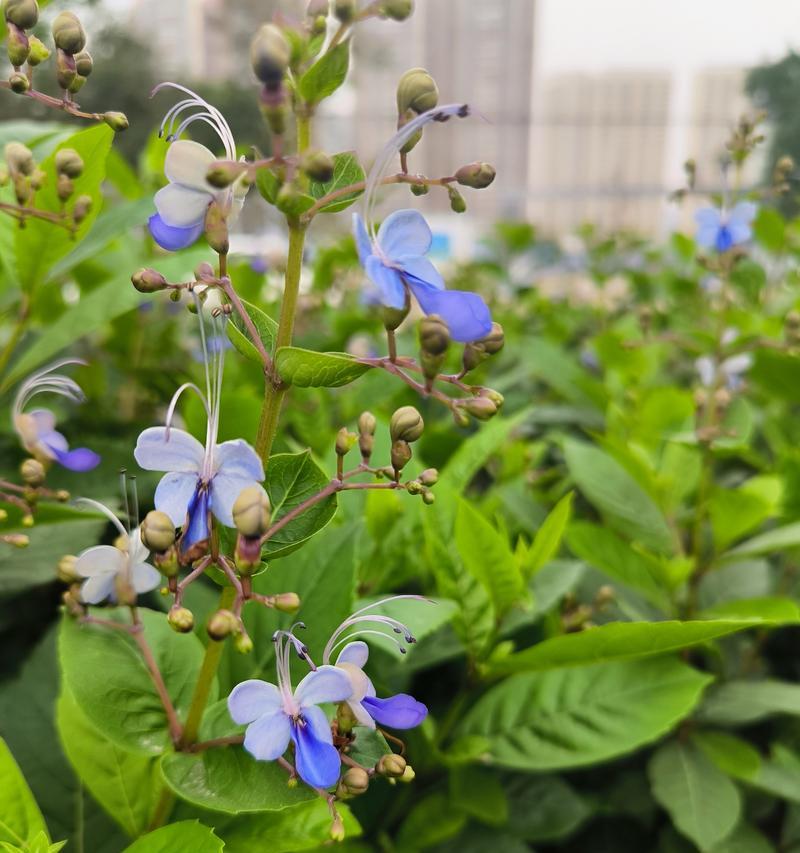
point(77, 84)
point(222, 624)
point(158, 532)
point(18, 46)
point(367, 423)
point(416, 91)
point(317, 165)
point(460, 417)
point(354, 782)
point(242, 643)
point(474, 354)
point(216, 229)
point(494, 341)
point(167, 563)
point(32, 472)
point(269, 55)
point(148, 281)
point(68, 33)
point(62, 495)
point(481, 408)
point(80, 210)
point(180, 619)
point(337, 832)
point(16, 540)
point(428, 498)
point(251, 512)
point(84, 63)
point(393, 317)
point(223, 173)
point(116, 121)
point(345, 441)
point(287, 602)
point(495, 396)
point(344, 10)
point(408, 775)
point(69, 163)
point(22, 13)
point(419, 189)
point(19, 158)
point(65, 69)
point(392, 766)
point(64, 187)
point(39, 51)
point(457, 202)
point(476, 175)
point(274, 110)
point(400, 455)
point(406, 424)
point(397, 10)
point(434, 335)
point(18, 82)
point(429, 477)
point(414, 487)
point(65, 570)
point(38, 179)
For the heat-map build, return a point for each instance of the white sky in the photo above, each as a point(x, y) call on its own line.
point(601, 34)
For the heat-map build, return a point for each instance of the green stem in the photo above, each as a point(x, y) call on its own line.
point(303, 131)
point(17, 332)
point(163, 809)
point(275, 390)
point(206, 678)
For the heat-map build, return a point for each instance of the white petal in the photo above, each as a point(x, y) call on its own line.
point(187, 163)
point(224, 491)
point(181, 207)
point(326, 684)
point(358, 680)
point(45, 420)
point(138, 552)
point(100, 560)
point(253, 699)
point(97, 589)
point(158, 450)
point(355, 653)
point(144, 577)
point(173, 494)
point(361, 714)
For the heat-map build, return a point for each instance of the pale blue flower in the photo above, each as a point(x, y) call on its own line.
point(723, 229)
point(276, 716)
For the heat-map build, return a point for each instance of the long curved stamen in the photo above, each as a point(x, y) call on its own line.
point(217, 120)
point(391, 148)
point(44, 381)
point(106, 512)
point(174, 402)
point(364, 632)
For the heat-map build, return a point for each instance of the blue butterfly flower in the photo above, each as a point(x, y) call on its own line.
point(723, 229)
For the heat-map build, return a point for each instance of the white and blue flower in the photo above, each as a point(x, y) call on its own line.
point(37, 428)
point(723, 229)
point(276, 716)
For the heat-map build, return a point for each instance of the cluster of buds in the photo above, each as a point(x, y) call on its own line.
point(417, 93)
point(20, 16)
point(25, 496)
point(21, 169)
point(782, 174)
point(745, 137)
point(405, 427)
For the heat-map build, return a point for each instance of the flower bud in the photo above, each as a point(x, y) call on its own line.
point(400, 455)
point(494, 341)
point(457, 201)
point(19, 158)
point(495, 396)
point(242, 643)
point(473, 355)
point(429, 477)
point(77, 84)
point(148, 280)
point(16, 540)
point(344, 10)
point(392, 766)
point(216, 229)
point(428, 498)
point(39, 51)
point(366, 434)
point(222, 624)
point(317, 165)
point(62, 495)
point(393, 317)
point(84, 63)
point(158, 532)
point(460, 417)
point(416, 91)
point(406, 424)
point(337, 832)
point(69, 163)
point(287, 602)
point(22, 13)
point(64, 187)
point(251, 512)
point(180, 619)
point(223, 173)
point(116, 121)
point(65, 69)
point(18, 46)
point(722, 398)
point(167, 563)
point(274, 108)
point(419, 189)
point(354, 782)
point(434, 336)
point(345, 441)
point(18, 82)
point(80, 210)
point(65, 570)
point(408, 775)
point(478, 176)
point(32, 472)
point(397, 10)
point(269, 55)
point(414, 487)
point(68, 33)
point(481, 408)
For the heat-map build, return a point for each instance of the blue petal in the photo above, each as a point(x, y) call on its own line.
point(170, 237)
point(466, 314)
point(739, 221)
point(363, 243)
point(388, 282)
point(724, 239)
point(317, 762)
point(325, 684)
point(397, 712)
point(404, 233)
point(422, 269)
point(252, 699)
point(709, 221)
point(267, 738)
point(197, 527)
point(355, 653)
point(173, 494)
point(80, 459)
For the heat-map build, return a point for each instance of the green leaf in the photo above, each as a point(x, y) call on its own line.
point(744, 839)
point(326, 74)
point(769, 229)
point(125, 783)
point(268, 184)
point(309, 369)
point(731, 754)
point(618, 497)
point(266, 327)
point(20, 818)
point(104, 671)
point(574, 717)
point(543, 808)
point(701, 800)
point(292, 478)
point(769, 609)
point(621, 641)
point(767, 543)
point(186, 836)
point(478, 792)
point(430, 822)
point(739, 703)
point(487, 556)
point(548, 537)
point(40, 244)
point(346, 172)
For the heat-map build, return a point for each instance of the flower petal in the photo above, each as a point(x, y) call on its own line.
point(187, 164)
point(422, 269)
point(80, 459)
point(317, 762)
point(325, 684)
point(181, 207)
point(144, 577)
point(466, 314)
point(45, 420)
point(253, 699)
point(739, 219)
point(100, 560)
point(709, 221)
point(268, 737)
point(54, 441)
point(363, 243)
point(388, 281)
point(356, 653)
point(173, 494)
point(159, 449)
point(238, 459)
point(361, 714)
point(224, 491)
point(319, 723)
point(97, 589)
point(171, 238)
point(404, 233)
point(398, 712)
point(197, 528)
